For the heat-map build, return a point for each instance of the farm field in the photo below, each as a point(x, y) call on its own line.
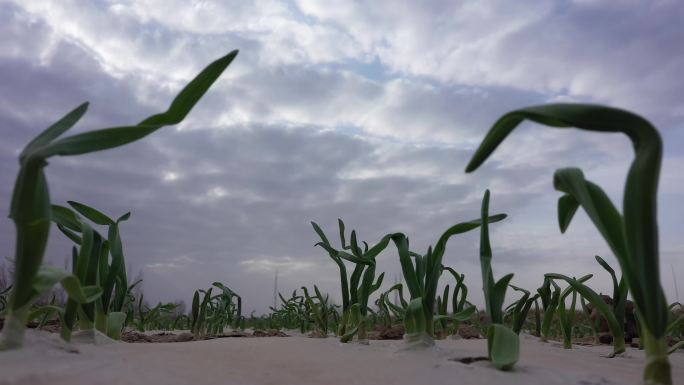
point(269, 360)
point(323, 207)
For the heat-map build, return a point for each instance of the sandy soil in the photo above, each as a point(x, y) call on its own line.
point(300, 360)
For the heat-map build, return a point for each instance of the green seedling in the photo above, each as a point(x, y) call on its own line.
point(503, 345)
point(109, 275)
point(362, 282)
point(566, 316)
point(616, 329)
point(319, 310)
point(520, 308)
point(633, 235)
point(422, 278)
point(550, 302)
point(31, 209)
point(393, 310)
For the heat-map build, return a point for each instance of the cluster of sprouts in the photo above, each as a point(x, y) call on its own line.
point(101, 300)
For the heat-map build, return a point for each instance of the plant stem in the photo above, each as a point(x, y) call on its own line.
point(101, 321)
point(657, 370)
point(567, 343)
point(12, 334)
point(429, 324)
point(362, 333)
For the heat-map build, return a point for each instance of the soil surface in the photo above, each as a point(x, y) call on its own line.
point(139, 337)
point(299, 360)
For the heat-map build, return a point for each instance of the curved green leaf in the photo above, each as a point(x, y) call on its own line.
point(641, 263)
point(47, 277)
point(55, 130)
point(503, 346)
point(94, 215)
point(63, 216)
point(115, 323)
point(107, 138)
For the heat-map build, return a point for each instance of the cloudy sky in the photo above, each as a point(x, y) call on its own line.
point(365, 111)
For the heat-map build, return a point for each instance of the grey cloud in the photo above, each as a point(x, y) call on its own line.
point(274, 145)
point(606, 52)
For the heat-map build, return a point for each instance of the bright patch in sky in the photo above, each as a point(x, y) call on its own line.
point(363, 111)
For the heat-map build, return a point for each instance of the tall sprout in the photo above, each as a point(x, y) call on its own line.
point(632, 235)
point(550, 302)
point(101, 271)
point(616, 328)
point(392, 309)
point(520, 308)
point(319, 310)
point(503, 345)
point(619, 292)
point(30, 208)
point(460, 307)
point(460, 295)
point(362, 282)
point(234, 312)
point(566, 315)
point(421, 274)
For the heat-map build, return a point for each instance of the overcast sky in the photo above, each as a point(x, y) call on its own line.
point(365, 111)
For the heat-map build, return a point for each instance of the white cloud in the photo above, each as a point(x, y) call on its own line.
point(342, 109)
point(604, 52)
point(284, 265)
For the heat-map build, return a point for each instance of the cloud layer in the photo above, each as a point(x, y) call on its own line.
point(359, 111)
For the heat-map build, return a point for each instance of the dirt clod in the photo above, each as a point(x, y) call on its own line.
point(468, 332)
point(395, 332)
point(269, 333)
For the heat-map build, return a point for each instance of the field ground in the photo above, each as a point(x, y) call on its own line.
point(300, 360)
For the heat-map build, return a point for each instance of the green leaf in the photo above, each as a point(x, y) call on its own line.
point(45, 311)
point(124, 217)
point(118, 136)
point(377, 283)
point(345, 255)
point(115, 323)
point(616, 285)
point(676, 346)
point(340, 224)
point(497, 296)
point(597, 205)
point(461, 316)
point(377, 248)
point(320, 233)
point(355, 249)
point(30, 211)
point(65, 217)
point(503, 346)
point(117, 265)
point(94, 215)
point(193, 92)
point(70, 234)
point(567, 207)
point(47, 277)
point(674, 324)
point(55, 130)
point(409, 272)
point(414, 318)
point(340, 264)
